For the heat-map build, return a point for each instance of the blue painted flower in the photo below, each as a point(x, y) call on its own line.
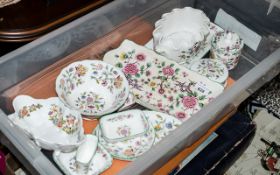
point(169, 125)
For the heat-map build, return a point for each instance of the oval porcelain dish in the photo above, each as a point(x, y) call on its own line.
point(49, 122)
point(213, 69)
point(178, 35)
point(92, 87)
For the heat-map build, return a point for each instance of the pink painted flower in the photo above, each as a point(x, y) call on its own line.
point(168, 70)
point(159, 105)
point(89, 100)
point(140, 57)
point(189, 102)
point(170, 98)
point(181, 115)
point(131, 69)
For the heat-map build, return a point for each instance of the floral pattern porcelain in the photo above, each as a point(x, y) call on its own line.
point(99, 163)
point(213, 69)
point(162, 123)
point(179, 40)
point(129, 149)
point(227, 46)
point(92, 87)
point(161, 84)
point(123, 126)
point(49, 122)
point(203, 49)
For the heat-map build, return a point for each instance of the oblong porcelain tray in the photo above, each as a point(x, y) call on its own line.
point(161, 84)
point(123, 126)
point(99, 163)
point(48, 122)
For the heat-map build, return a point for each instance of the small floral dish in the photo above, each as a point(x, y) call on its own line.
point(98, 164)
point(227, 47)
point(123, 126)
point(49, 122)
point(181, 40)
point(161, 84)
point(92, 87)
point(213, 69)
point(162, 123)
point(129, 149)
point(85, 153)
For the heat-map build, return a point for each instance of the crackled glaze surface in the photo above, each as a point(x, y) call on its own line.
point(49, 122)
point(99, 163)
point(128, 149)
point(92, 87)
point(161, 84)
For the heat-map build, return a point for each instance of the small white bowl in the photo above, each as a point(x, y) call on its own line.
point(48, 122)
point(92, 87)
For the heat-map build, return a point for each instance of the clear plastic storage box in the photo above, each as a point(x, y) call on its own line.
point(104, 29)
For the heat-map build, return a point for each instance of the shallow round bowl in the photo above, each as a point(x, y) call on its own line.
point(92, 87)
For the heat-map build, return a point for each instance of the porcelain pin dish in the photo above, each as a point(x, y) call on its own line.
point(213, 69)
point(92, 87)
point(49, 122)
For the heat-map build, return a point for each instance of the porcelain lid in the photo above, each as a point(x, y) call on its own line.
point(227, 41)
point(213, 69)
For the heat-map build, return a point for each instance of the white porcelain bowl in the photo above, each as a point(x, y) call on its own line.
point(92, 87)
point(180, 34)
point(48, 122)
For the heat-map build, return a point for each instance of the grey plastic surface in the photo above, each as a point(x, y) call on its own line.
point(31, 58)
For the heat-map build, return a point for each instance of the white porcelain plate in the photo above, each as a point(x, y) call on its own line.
point(99, 163)
point(162, 123)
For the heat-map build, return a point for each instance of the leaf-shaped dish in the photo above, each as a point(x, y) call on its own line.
point(49, 122)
